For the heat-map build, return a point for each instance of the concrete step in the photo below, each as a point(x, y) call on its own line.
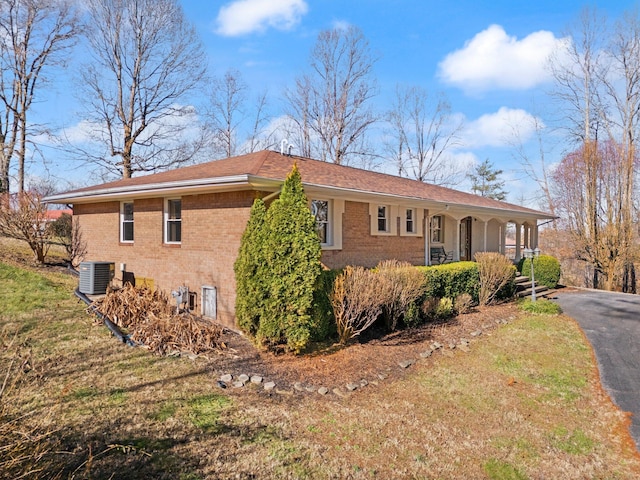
point(541, 291)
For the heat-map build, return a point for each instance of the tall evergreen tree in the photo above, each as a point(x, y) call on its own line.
point(249, 269)
point(277, 269)
point(486, 182)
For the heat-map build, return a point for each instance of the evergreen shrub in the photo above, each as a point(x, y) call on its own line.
point(546, 269)
point(281, 252)
point(452, 279)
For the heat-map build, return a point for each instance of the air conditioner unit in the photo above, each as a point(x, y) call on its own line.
point(95, 277)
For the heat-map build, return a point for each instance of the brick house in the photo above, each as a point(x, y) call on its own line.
point(183, 227)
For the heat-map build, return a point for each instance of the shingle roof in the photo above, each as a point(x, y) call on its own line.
point(272, 165)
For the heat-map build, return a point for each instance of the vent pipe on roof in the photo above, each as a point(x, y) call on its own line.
point(290, 147)
point(283, 145)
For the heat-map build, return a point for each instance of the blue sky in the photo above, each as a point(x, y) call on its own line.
point(487, 57)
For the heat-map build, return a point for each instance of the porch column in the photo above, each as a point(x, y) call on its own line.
point(534, 235)
point(427, 239)
point(456, 252)
point(484, 245)
point(503, 237)
point(518, 241)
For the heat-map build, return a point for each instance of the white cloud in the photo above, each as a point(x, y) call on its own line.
point(494, 60)
point(241, 17)
point(499, 129)
point(341, 25)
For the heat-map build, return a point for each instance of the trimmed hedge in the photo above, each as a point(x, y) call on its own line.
point(452, 279)
point(546, 268)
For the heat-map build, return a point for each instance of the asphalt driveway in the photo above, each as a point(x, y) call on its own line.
point(611, 322)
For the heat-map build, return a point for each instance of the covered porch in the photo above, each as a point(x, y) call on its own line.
point(462, 233)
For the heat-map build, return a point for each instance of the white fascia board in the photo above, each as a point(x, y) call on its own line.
point(150, 189)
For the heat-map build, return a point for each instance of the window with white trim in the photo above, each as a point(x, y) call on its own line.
point(410, 220)
point(321, 210)
point(126, 222)
point(437, 229)
point(173, 220)
point(383, 218)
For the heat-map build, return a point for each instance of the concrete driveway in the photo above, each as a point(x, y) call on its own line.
point(611, 322)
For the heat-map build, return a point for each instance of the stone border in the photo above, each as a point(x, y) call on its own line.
point(238, 382)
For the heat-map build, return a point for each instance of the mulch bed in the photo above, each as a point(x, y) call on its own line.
point(338, 365)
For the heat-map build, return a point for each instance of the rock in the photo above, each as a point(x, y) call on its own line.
point(476, 333)
point(323, 390)
point(405, 363)
point(363, 383)
point(426, 353)
point(227, 378)
point(256, 379)
point(452, 346)
point(269, 386)
point(464, 341)
point(284, 392)
point(310, 389)
point(339, 392)
point(382, 376)
point(352, 386)
point(298, 387)
point(243, 378)
point(221, 384)
point(238, 384)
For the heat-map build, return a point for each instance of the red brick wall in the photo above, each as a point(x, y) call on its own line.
point(359, 247)
point(212, 225)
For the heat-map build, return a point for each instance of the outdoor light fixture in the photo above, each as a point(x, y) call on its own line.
point(531, 254)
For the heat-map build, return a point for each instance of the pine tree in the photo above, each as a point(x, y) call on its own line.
point(485, 181)
point(249, 269)
point(277, 269)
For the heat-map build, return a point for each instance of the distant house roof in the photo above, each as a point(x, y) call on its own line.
point(53, 215)
point(266, 170)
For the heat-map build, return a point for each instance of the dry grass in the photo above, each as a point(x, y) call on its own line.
point(525, 402)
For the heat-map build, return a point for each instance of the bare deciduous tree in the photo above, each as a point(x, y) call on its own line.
point(146, 59)
point(23, 217)
point(33, 36)
point(226, 111)
point(330, 105)
point(422, 130)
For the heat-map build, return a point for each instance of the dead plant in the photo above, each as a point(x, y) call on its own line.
point(495, 271)
point(151, 321)
point(356, 301)
point(401, 285)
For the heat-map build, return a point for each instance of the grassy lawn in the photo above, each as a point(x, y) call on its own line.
point(525, 403)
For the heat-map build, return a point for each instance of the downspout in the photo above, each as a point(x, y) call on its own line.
point(109, 324)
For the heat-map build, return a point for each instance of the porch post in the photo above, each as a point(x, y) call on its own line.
point(518, 241)
point(527, 234)
point(534, 235)
point(427, 239)
point(456, 253)
point(503, 237)
point(484, 246)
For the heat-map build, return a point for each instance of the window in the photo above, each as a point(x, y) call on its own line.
point(410, 220)
point(383, 218)
point(320, 210)
point(126, 222)
point(173, 221)
point(436, 229)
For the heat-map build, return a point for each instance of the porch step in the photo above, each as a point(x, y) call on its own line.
point(541, 291)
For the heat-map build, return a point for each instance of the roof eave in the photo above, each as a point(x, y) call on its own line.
point(151, 189)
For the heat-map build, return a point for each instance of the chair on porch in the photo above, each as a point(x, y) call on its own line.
point(440, 256)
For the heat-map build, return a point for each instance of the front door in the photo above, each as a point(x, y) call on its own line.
point(465, 238)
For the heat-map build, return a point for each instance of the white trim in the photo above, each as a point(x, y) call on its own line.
point(391, 217)
point(418, 219)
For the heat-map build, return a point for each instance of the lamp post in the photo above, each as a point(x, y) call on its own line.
point(531, 254)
